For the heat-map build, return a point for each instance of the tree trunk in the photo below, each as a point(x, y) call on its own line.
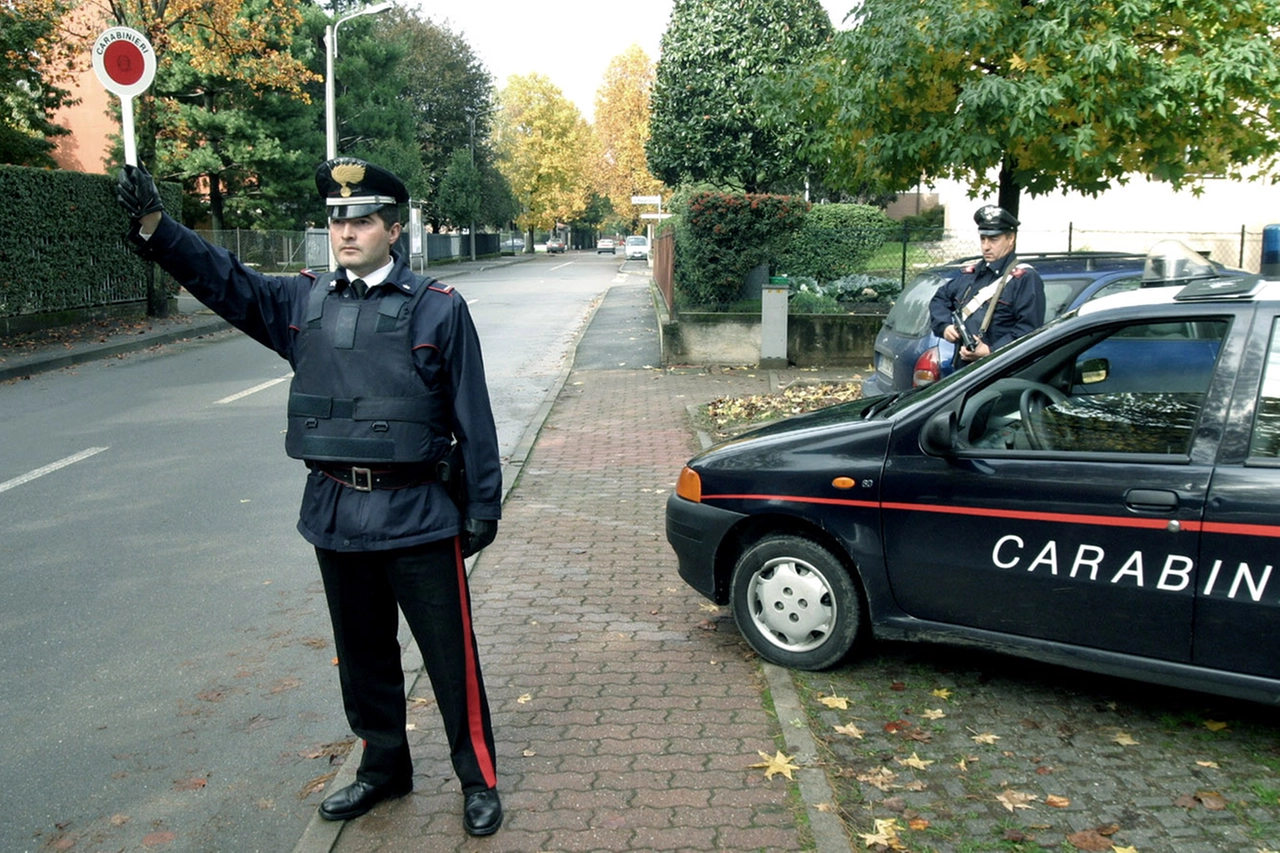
point(1010, 190)
point(215, 201)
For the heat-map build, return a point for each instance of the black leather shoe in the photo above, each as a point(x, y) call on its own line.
point(482, 812)
point(358, 797)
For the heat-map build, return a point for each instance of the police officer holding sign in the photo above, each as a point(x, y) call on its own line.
point(993, 302)
point(389, 410)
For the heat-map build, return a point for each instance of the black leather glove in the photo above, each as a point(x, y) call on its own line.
point(137, 193)
point(477, 533)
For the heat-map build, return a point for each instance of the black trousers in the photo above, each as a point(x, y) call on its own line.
point(429, 584)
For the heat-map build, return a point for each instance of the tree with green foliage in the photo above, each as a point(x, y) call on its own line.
point(36, 59)
point(448, 92)
point(1015, 95)
point(706, 121)
point(460, 197)
point(226, 74)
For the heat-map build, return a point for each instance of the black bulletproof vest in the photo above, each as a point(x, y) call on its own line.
point(356, 395)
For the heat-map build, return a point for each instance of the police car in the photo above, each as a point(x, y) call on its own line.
point(1103, 493)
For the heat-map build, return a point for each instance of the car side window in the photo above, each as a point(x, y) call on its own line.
point(1137, 388)
point(1265, 441)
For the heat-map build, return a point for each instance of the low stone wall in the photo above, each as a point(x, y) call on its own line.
point(813, 340)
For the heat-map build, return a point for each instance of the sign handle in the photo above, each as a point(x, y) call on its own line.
point(126, 130)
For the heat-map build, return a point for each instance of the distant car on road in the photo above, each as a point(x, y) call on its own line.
point(514, 244)
point(637, 248)
point(908, 354)
point(606, 245)
point(1100, 493)
point(555, 246)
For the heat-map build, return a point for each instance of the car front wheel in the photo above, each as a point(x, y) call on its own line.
point(795, 603)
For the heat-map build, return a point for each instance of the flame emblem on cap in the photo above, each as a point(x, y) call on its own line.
point(346, 174)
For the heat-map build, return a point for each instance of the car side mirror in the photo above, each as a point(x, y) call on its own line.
point(938, 437)
point(1093, 371)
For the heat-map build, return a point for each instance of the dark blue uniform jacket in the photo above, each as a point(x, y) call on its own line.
point(1019, 310)
point(446, 352)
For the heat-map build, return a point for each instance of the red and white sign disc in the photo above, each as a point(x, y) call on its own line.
point(124, 61)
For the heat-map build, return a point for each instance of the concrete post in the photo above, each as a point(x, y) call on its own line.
point(773, 324)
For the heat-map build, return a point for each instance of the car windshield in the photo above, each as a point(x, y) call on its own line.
point(906, 400)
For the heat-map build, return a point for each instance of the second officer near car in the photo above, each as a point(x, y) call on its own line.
point(994, 301)
point(388, 378)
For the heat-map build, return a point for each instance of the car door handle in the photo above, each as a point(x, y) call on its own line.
point(1151, 500)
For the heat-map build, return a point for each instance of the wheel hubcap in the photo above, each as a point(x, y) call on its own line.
point(792, 605)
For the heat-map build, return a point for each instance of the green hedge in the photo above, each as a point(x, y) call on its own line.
point(720, 237)
point(64, 243)
point(836, 240)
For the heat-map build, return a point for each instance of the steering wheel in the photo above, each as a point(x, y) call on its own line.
point(1031, 407)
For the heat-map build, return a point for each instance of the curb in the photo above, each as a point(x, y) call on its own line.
point(95, 352)
point(829, 834)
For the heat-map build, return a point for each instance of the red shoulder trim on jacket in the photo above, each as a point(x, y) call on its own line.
point(969, 269)
point(440, 287)
point(309, 274)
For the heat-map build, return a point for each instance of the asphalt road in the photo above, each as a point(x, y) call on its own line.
point(165, 652)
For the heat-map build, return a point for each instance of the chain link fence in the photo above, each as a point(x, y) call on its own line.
point(903, 253)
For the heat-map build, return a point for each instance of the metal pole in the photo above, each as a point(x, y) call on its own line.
point(330, 117)
point(330, 121)
point(471, 122)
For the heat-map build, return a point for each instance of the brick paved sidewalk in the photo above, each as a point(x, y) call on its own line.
point(622, 722)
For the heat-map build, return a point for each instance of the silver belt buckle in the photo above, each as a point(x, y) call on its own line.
point(362, 479)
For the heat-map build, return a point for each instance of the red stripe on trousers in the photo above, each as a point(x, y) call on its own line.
point(474, 724)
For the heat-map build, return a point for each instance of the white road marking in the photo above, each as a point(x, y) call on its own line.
point(255, 389)
point(49, 469)
point(561, 266)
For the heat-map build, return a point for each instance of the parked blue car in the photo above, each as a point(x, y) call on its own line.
point(909, 355)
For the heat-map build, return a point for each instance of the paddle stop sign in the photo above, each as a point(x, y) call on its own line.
point(126, 65)
point(124, 61)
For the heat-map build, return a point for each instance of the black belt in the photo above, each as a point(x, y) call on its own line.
point(368, 479)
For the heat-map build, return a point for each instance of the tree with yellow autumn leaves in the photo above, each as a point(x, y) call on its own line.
point(621, 129)
point(544, 145)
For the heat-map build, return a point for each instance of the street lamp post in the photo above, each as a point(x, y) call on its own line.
point(471, 122)
point(330, 120)
point(331, 53)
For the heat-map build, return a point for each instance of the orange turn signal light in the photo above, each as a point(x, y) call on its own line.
point(843, 482)
point(689, 486)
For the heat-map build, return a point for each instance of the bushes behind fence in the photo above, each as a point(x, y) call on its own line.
point(720, 237)
point(836, 240)
point(64, 243)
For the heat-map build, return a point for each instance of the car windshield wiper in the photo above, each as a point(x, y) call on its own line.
point(884, 403)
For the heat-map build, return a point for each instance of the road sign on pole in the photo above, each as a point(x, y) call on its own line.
point(655, 216)
point(125, 65)
point(646, 199)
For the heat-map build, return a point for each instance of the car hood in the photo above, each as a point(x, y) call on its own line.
point(844, 419)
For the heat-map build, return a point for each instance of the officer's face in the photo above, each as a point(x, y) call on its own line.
point(996, 247)
point(362, 244)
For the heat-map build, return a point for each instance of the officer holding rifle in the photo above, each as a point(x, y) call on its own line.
point(994, 301)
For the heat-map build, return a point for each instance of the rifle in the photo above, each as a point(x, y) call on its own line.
point(967, 338)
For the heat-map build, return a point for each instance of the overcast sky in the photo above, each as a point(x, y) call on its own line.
point(571, 43)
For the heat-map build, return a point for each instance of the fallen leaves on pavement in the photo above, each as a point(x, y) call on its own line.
point(886, 833)
point(729, 413)
point(778, 764)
